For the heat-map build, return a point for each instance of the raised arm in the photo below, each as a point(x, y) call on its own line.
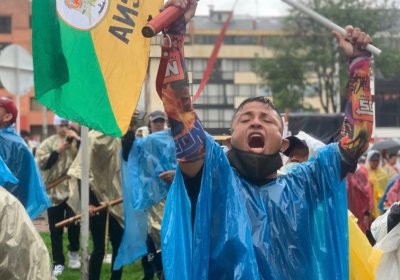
point(173, 89)
point(357, 126)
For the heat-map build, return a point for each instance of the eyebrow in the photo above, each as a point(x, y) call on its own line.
point(248, 113)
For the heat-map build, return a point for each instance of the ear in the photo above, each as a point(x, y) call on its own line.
point(285, 145)
point(7, 117)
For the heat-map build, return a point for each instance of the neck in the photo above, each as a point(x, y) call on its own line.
point(255, 167)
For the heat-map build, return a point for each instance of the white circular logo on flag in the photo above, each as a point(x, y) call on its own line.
point(82, 14)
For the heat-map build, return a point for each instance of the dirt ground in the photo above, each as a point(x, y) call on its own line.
point(41, 224)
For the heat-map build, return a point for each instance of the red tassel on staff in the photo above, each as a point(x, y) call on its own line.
point(210, 65)
point(162, 20)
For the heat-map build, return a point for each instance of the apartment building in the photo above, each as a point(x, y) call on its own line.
point(233, 78)
point(15, 28)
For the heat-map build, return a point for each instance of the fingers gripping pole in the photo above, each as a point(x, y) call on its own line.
point(327, 23)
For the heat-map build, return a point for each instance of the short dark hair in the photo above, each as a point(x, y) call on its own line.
point(260, 99)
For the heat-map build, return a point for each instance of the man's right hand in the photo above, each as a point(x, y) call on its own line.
point(167, 176)
point(62, 147)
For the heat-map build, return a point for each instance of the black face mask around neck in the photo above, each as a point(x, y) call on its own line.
point(254, 167)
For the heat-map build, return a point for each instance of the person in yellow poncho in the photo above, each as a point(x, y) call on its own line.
point(363, 258)
point(390, 160)
point(378, 178)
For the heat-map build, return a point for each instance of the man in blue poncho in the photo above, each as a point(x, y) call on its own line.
point(231, 217)
point(147, 175)
point(30, 189)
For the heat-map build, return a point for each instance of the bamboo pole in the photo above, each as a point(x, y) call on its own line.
point(98, 209)
point(85, 203)
point(57, 181)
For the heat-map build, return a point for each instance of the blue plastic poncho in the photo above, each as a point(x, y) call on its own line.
point(142, 188)
point(292, 228)
point(5, 174)
point(381, 204)
point(30, 189)
point(149, 157)
point(133, 243)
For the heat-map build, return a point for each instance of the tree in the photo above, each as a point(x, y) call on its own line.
point(309, 49)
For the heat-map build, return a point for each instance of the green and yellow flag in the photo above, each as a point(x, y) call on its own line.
point(90, 59)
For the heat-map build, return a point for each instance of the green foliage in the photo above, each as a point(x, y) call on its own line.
point(313, 50)
point(286, 94)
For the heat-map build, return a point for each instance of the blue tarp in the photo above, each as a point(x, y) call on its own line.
point(30, 189)
point(142, 188)
point(294, 227)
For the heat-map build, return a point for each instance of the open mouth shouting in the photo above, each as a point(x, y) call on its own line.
point(256, 142)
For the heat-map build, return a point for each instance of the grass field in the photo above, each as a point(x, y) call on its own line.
point(131, 272)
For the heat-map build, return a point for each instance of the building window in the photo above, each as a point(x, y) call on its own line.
point(215, 119)
point(205, 39)
point(5, 24)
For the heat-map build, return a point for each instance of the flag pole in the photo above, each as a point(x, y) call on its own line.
point(327, 23)
point(85, 203)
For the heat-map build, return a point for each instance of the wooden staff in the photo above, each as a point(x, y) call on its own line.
point(100, 208)
point(57, 181)
point(162, 20)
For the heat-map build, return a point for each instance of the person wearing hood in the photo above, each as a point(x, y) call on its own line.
point(386, 232)
point(389, 163)
point(104, 187)
point(232, 217)
point(378, 178)
point(23, 254)
point(298, 151)
point(148, 170)
point(30, 190)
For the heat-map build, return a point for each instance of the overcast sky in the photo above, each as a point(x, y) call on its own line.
point(251, 7)
point(245, 7)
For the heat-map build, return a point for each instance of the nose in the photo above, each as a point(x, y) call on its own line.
point(255, 123)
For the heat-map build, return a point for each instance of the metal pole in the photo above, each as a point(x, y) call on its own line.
point(336, 79)
point(327, 23)
point(85, 203)
point(44, 124)
point(18, 124)
point(17, 93)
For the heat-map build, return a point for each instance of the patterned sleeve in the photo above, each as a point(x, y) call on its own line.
point(173, 88)
point(357, 126)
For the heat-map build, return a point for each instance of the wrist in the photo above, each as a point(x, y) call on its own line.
point(359, 56)
point(178, 27)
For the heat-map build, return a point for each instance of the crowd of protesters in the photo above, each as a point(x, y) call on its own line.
point(260, 207)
